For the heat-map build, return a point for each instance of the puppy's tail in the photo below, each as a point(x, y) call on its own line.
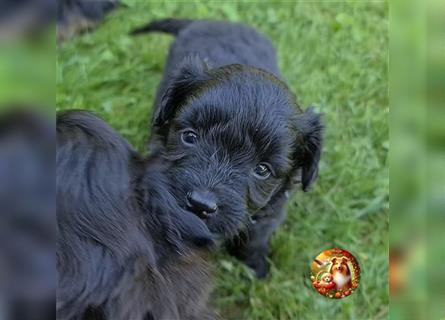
point(170, 25)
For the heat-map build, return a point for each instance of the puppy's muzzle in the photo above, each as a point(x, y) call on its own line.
point(202, 203)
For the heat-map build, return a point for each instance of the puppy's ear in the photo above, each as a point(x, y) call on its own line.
point(191, 74)
point(310, 127)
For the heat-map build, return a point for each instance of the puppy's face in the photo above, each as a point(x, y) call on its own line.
point(233, 139)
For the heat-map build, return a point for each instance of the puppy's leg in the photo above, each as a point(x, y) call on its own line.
point(252, 246)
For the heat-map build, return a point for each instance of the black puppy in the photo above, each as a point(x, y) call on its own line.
point(77, 16)
point(235, 137)
point(125, 249)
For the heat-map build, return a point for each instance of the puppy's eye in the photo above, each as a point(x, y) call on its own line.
point(262, 171)
point(189, 137)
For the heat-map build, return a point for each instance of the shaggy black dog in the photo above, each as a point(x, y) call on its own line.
point(125, 249)
point(235, 137)
point(77, 16)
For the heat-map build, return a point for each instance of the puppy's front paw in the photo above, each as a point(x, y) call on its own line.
point(260, 265)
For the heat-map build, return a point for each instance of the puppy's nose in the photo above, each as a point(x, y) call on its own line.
point(202, 202)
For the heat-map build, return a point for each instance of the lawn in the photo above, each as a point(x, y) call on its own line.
point(334, 56)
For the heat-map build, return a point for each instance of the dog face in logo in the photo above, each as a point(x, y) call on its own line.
point(341, 273)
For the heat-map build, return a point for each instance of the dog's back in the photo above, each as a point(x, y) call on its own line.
point(216, 42)
point(93, 212)
point(114, 259)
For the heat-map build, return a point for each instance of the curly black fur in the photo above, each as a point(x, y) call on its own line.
point(125, 249)
point(222, 81)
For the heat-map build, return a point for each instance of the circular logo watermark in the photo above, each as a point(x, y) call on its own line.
point(335, 273)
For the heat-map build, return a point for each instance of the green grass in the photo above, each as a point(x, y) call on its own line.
point(334, 56)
